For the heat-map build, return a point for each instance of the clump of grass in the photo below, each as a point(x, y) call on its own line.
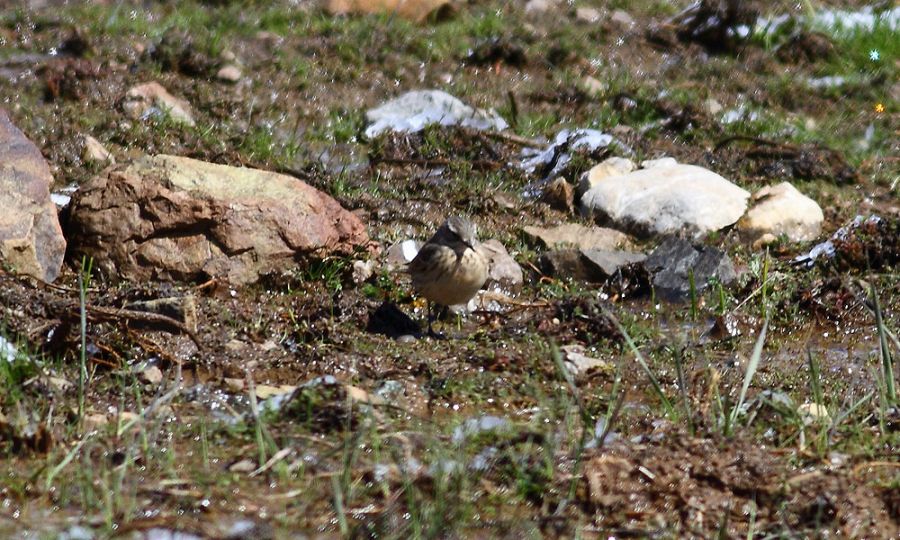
point(887, 364)
point(671, 412)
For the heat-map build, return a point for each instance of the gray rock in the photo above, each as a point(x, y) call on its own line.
point(414, 110)
point(594, 266)
point(576, 235)
point(781, 209)
point(31, 240)
point(169, 217)
point(151, 99)
point(666, 199)
point(607, 262)
point(505, 273)
point(671, 263)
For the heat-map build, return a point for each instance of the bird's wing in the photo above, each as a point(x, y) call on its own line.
point(426, 257)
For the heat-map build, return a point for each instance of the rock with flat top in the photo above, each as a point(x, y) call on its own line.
point(666, 199)
point(577, 236)
point(591, 265)
point(168, 217)
point(31, 240)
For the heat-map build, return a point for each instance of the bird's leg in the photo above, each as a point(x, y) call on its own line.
point(431, 319)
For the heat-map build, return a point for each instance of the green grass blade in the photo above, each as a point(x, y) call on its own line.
point(748, 375)
point(670, 409)
point(887, 364)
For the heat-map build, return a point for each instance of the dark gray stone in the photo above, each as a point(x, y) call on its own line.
point(670, 265)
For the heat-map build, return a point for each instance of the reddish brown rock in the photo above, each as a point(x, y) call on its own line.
point(167, 217)
point(31, 240)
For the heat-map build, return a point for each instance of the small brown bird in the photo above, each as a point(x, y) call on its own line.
point(449, 269)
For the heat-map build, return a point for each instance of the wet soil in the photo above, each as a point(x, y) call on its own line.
point(193, 452)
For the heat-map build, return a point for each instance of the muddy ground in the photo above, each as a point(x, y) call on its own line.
point(481, 435)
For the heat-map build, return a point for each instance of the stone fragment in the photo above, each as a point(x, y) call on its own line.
point(592, 86)
point(505, 273)
point(31, 240)
point(230, 73)
point(151, 375)
point(576, 235)
point(781, 210)
point(579, 364)
point(151, 99)
point(95, 152)
point(672, 262)
point(234, 385)
point(622, 19)
point(412, 111)
point(713, 107)
point(588, 14)
point(608, 168)
point(168, 217)
point(363, 270)
point(539, 6)
point(666, 199)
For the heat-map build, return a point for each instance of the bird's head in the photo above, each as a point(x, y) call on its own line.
point(462, 230)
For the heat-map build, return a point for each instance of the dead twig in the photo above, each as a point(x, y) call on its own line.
point(875, 464)
point(115, 314)
point(515, 139)
point(149, 346)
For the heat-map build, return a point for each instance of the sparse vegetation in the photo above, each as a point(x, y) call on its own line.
point(766, 432)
